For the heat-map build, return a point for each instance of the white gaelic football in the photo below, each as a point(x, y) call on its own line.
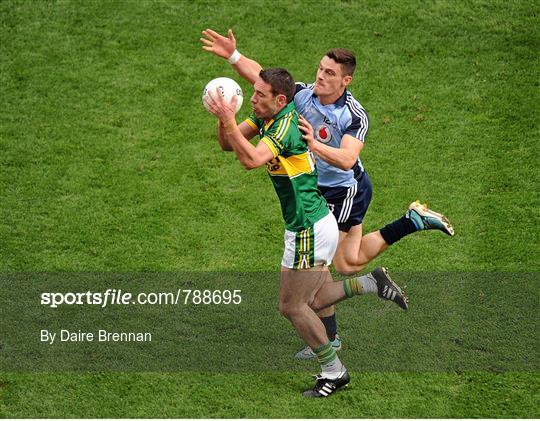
point(227, 87)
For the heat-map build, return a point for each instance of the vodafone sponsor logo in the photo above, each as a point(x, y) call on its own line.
point(322, 133)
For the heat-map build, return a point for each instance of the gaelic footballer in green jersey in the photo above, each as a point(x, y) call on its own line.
point(292, 170)
point(294, 176)
point(311, 233)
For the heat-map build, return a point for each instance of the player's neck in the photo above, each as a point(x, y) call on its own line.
point(330, 99)
point(267, 120)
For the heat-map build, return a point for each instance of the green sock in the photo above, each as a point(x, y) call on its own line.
point(325, 354)
point(331, 366)
point(352, 287)
point(364, 284)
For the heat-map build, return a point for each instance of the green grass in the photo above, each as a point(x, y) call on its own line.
point(269, 395)
point(109, 163)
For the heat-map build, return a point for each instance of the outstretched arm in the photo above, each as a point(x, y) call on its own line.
point(225, 47)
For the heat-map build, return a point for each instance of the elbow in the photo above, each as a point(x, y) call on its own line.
point(348, 163)
point(249, 165)
point(224, 145)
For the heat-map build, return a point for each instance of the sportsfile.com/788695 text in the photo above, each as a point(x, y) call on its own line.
point(119, 297)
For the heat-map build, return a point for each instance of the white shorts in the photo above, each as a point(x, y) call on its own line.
point(314, 246)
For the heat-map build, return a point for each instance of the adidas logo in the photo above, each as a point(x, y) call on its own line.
point(327, 389)
point(389, 293)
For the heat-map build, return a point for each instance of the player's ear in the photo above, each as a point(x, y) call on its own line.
point(281, 100)
point(347, 79)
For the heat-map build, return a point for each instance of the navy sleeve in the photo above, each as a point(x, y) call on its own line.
point(300, 86)
point(359, 124)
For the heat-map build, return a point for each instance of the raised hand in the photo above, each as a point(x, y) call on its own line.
point(218, 44)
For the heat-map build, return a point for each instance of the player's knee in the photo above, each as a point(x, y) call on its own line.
point(316, 305)
point(285, 309)
point(288, 310)
point(345, 268)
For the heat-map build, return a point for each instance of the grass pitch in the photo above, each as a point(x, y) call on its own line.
point(110, 164)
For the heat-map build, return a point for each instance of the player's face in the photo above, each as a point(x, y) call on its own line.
point(265, 104)
point(330, 79)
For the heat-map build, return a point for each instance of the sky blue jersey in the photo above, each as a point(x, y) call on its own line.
point(330, 123)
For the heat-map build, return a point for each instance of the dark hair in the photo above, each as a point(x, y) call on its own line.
point(344, 57)
point(280, 80)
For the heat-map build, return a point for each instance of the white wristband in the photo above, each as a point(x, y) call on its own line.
point(233, 59)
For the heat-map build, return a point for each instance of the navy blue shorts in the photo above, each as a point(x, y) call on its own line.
point(349, 204)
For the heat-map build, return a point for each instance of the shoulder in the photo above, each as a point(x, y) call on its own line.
point(284, 134)
point(254, 122)
point(303, 89)
point(285, 124)
point(303, 95)
point(357, 121)
point(300, 86)
point(355, 108)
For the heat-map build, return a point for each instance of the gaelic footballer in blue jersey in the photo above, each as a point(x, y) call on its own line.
point(337, 132)
point(345, 116)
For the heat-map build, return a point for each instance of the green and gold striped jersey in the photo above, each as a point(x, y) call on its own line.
point(292, 170)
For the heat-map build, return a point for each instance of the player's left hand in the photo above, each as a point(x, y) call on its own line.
point(307, 129)
point(218, 44)
point(220, 108)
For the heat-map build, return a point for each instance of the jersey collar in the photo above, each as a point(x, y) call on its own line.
point(285, 110)
point(340, 102)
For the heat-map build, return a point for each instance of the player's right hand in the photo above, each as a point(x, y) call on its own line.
point(218, 106)
point(218, 44)
point(307, 130)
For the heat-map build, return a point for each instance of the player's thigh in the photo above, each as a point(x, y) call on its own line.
point(349, 244)
point(299, 286)
point(306, 258)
